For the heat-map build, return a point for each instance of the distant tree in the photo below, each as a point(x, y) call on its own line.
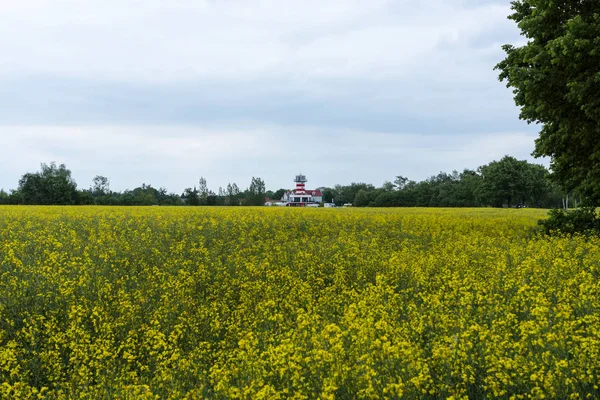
point(3, 197)
point(256, 192)
point(211, 198)
point(388, 186)
point(329, 195)
point(127, 198)
point(203, 191)
point(468, 188)
point(165, 198)
point(400, 182)
point(554, 77)
point(100, 186)
point(52, 185)
point(503, 182)
point(190, 197)
point(362, 198)
point(85, 197)
point(342, 196)
point(15, 197)
point(348, 193)
point(221, 197)
point(511, 182)
point(278, 195)
point(538, 185)
point(145, 195)
point(386, 198)
point(423, 193)
point(162, 196)
point(233, 195)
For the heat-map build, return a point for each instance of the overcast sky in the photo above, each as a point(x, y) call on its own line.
point(165, 91)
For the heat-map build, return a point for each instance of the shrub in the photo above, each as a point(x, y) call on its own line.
point(583, 220)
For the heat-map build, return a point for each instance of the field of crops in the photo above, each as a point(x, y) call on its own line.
point(294, 303)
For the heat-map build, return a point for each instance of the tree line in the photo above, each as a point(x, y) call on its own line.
point(505, 183)
point(54, 185)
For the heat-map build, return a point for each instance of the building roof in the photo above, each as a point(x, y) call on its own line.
point(310, 192)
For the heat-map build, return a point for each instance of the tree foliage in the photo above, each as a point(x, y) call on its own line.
point(203, 191)
point(255, 195)
point(505, 182)
point(510, 181)
point(190, 197)
point(555, 77)
point(278, 194)
point(582, 220)
point(100, 185)
point(53, 185)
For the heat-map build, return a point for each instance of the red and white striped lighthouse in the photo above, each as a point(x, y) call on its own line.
point(300, 182)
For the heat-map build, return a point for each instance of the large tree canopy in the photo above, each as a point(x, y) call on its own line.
point(52, 185)
point(511, 182)
point(556, 81)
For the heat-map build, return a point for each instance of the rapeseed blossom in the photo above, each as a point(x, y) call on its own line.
point(295, 303)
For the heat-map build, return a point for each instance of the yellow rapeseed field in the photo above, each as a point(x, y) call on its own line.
point(277, 303)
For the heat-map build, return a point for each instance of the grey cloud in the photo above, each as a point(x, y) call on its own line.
point(175, 156)
point(424, 106)
point(163, 92)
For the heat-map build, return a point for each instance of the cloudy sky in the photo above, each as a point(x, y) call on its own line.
point(163, 92)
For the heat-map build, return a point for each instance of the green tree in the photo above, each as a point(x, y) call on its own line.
point(3, 197)
point(467, 189)
point(190, 197)
point(100, 191)
point(145, 195)
point(511, 182)
point(329, 195)
point(256, 192)
point(85, 198)
point(52, 185)
point(503, 182)
point(388, 186)
point(203, 191)
point(233, 195)
point(221, 197)
point(211, 198)
point(347, 194)
point(279, 194)
point(362, 198)
point(556, 82)
point(15, 197)
point(100, 186)
point(400, 182)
